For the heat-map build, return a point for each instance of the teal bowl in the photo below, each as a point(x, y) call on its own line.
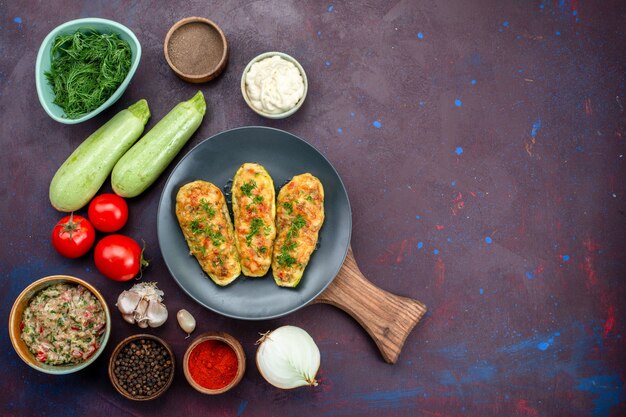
point(44, 90)
point(15, 324)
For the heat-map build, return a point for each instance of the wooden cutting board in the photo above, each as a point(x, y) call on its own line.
point(388, 318)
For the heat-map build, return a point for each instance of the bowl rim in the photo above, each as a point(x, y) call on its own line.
point(115, 353)
point(49, 38)
point(14, 333)
point(215, 71)
point(233, 343)
point(287, 57)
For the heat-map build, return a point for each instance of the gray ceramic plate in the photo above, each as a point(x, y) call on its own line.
point(284, 155)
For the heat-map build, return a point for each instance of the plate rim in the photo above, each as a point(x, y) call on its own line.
point(273, 316)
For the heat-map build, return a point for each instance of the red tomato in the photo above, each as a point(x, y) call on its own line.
point(119, 257)
point(73, 236)
point(108, 212)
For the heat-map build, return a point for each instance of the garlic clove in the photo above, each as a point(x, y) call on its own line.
point(127, 302)
point(186, 321)
point(140, 310)
point(143, 323)
point(156, 313)
point(129, 318)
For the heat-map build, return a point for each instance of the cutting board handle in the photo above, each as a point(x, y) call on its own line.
point(388, 318)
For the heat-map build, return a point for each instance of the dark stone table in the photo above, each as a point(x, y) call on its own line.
point(482, 146)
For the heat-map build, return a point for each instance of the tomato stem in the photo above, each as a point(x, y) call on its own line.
point(70, 226)
point(143, 261)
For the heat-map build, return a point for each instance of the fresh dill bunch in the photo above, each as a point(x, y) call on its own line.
point(86, 69)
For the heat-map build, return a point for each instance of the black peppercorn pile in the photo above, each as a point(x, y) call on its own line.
point(143, 367)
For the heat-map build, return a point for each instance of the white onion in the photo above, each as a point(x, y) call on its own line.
point(288, 358)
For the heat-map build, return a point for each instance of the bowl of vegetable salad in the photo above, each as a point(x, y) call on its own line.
point(59, 324)
point(84, 66)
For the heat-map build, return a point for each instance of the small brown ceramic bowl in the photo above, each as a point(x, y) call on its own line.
point(232, 343)
point(118, 384)
point(196, 49)
point(15, 324)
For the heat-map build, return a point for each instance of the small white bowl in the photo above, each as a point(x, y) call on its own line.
point(244, 91)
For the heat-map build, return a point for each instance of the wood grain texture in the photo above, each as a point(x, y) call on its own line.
point(387, 318)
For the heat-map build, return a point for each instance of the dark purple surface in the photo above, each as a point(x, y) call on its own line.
point(482, 146)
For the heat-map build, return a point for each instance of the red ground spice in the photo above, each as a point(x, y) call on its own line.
point(213, 364)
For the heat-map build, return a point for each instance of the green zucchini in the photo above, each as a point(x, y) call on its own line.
point(149, 157)
point(80, 177)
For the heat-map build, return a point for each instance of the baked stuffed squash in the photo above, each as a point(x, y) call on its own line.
point(299, 217)
point(204, 219)
point(254, 209)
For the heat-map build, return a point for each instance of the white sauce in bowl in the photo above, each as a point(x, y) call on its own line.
point(274, 85)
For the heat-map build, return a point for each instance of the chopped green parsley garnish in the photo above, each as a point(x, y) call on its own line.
point(196, 226)
point(255, 226)
point(299, 222)
point(248, 187)
point(216, 237)
point(210, 211)
point(289, 246)
point(201, 249)
point(285, 259)
point(256, 200)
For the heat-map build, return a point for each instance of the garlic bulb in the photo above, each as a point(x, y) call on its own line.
point(142, 305)
point(288, 358)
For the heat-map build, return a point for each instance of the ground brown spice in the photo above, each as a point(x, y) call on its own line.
point(195, 48)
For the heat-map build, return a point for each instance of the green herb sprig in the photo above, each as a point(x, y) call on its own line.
point(285, 258)
point(86, 69)
point(210, 211)
point(255, 227)
point(248, 187)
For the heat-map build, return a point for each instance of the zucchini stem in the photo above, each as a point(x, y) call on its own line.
point(140, 110)
point(197, 102)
